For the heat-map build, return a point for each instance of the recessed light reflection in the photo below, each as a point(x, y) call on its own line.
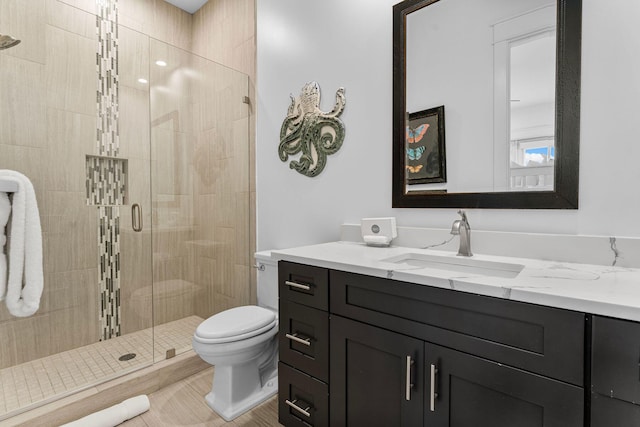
point(161, 63)
point(143, 81)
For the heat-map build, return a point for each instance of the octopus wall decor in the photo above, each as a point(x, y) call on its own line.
point(311, 131)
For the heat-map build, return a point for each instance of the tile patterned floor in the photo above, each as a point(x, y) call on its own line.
point(183, 404)
point(43, 380)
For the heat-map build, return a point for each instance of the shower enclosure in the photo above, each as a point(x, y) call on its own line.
point(139, 154)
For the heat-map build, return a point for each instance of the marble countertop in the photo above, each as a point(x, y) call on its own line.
point(605, 290)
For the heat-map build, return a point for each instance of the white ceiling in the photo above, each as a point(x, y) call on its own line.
point(190, 6)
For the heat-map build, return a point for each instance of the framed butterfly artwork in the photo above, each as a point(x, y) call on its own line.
point(425, 161)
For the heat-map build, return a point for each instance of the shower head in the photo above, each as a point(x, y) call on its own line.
point(7, 41)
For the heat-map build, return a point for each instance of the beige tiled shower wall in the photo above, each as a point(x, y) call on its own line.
point(48, 108)
point(222, 252)
point(200, 147)
point(225, 31)
point(136, 254)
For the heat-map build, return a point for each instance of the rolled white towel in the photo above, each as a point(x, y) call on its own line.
point(116, 414)
point(5, 211)
point(25, 278)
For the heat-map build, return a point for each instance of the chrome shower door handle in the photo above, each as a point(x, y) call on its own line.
point(136, 217)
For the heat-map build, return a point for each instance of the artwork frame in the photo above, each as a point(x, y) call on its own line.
point(425, 158)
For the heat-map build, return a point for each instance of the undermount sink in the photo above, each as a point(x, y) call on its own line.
point(457, 264)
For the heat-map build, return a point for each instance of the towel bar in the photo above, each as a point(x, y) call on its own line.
point(8, 186)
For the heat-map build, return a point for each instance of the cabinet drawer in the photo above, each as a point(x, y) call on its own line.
point(304, 284)
point(616, 358)
point(539, 339)
point(302, 400)
point(304, 339)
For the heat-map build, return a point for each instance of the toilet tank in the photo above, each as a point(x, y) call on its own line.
point(267, 280)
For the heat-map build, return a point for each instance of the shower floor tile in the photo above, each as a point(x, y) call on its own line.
point(44, 380)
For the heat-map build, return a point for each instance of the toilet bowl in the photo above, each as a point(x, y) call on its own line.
point(242, 344)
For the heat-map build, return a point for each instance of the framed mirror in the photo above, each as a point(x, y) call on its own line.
point(507, 75)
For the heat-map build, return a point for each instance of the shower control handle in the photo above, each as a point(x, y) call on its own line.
point(136, 217)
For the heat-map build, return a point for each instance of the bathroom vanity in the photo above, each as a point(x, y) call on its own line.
point(366, 340)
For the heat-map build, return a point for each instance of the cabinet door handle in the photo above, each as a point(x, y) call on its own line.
point(433, 394)
point(304, 412)
point(297, 285)
point(296, 338)
point(409, 385)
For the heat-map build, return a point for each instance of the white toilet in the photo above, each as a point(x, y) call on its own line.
point(242, 343)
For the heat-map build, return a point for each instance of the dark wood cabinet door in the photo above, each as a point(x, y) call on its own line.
point(608, 412)
point(615, 362)
point(370, 371)
point(468, 391)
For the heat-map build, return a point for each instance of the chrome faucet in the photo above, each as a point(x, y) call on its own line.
point(461, 227)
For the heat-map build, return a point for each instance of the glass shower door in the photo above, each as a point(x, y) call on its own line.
point(200, 193)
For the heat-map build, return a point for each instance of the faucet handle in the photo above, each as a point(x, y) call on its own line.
point(455, 227)
point(463, 214)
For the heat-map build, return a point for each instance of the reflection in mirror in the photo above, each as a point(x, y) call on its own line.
point(507, 73)
point(471, 68)
point(532, 108)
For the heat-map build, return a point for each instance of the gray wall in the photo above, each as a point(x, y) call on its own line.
point(349, 44)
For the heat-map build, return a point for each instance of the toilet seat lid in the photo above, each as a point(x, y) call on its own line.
point(246, 321)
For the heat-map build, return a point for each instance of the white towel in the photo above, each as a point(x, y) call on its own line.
point(5, 211)
point(114, 415)
point(25, 252)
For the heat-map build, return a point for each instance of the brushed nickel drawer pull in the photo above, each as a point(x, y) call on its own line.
point(297, 285)
point(294, 337)
point(409, 385)
point(304, 412)
point(433, 394)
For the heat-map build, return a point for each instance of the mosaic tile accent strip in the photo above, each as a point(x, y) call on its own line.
point(40, 381)
point(108, 133)
point(106, 181)
point(103, 184)
point(109, 250)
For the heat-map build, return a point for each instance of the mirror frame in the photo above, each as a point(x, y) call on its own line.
point(567, 124)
